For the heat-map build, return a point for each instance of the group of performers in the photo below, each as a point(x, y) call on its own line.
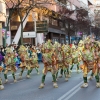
point(57, 57)
point(23, 60)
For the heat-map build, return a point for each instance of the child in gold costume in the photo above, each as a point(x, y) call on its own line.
point(89, 63)
point(34, 62)
point(67, 61)
point(60, 58)
point(1, 84)
point(25, 61)
point(75, 57)
point(10, 64)
point(49, 60)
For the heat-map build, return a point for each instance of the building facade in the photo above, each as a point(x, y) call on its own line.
point(2, 20)
point(64, 19)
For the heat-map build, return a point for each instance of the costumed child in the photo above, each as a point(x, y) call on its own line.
point(10, 64)
point(49, 61)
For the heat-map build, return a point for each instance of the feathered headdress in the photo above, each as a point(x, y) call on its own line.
point(22, 48)
point(48, 45)
point(57, 45)
point(66, 48)
point(8, 50)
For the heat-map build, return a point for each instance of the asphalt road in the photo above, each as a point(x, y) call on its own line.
point(27, 89)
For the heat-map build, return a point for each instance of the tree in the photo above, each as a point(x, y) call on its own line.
point(24, 6)
point(11, 6)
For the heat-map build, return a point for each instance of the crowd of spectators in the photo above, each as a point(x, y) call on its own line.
point(15, 47)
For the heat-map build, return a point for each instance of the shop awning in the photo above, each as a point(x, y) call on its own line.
point(56, 31)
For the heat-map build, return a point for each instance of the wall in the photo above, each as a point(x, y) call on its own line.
point(75, 2)
point(2, 11)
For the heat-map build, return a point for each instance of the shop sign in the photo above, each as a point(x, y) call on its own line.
point(13, 27)
point(29, 34)
point(41, 26)
point(0, 25)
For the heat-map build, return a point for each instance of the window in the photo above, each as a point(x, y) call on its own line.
point(73, 7)
point(62, 40)
point(50, 20)
point(55, 39)
point(68, 5)
point(61, 24)
point(63, 1)
point(66, 25)
point(54, 22)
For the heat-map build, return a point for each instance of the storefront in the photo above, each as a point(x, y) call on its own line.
point(56, 35)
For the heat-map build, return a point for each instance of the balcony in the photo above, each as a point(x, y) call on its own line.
point(84, 6)
point(75, 2)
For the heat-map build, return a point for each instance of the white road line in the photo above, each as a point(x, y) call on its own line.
point(73, 91)
point(76, 70)
point(68, 97)
point(62, 97)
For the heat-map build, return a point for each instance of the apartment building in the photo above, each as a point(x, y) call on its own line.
point(2, 19)
point(63, 19)
point(96, 29)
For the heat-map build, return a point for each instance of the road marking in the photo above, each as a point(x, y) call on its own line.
point(73, 91)
point(62, 97)
point(68, 97)
point(76, 71)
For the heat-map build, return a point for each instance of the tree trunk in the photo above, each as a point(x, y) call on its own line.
point(69, 32)
point(21, 32)
point(7, 29)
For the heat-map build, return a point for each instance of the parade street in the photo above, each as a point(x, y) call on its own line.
point(27, 89)
point(49, 49)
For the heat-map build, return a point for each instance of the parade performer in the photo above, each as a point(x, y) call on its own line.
point(97, 58)
point(24, 61)
point(60, 61)
point(80, 46)
point(89, 64)
point(42, 48)
point(34, 62)
point(75, 57)
point(57, 48)
point(95, 47)
point(10, 64)
point(1, 85)
point(49, 60)
point(67, 61)
point(80, 49)
point(1, 69)
point(17, 61)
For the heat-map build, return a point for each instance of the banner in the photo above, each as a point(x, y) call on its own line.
point(3, 33)
point(8, 38)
